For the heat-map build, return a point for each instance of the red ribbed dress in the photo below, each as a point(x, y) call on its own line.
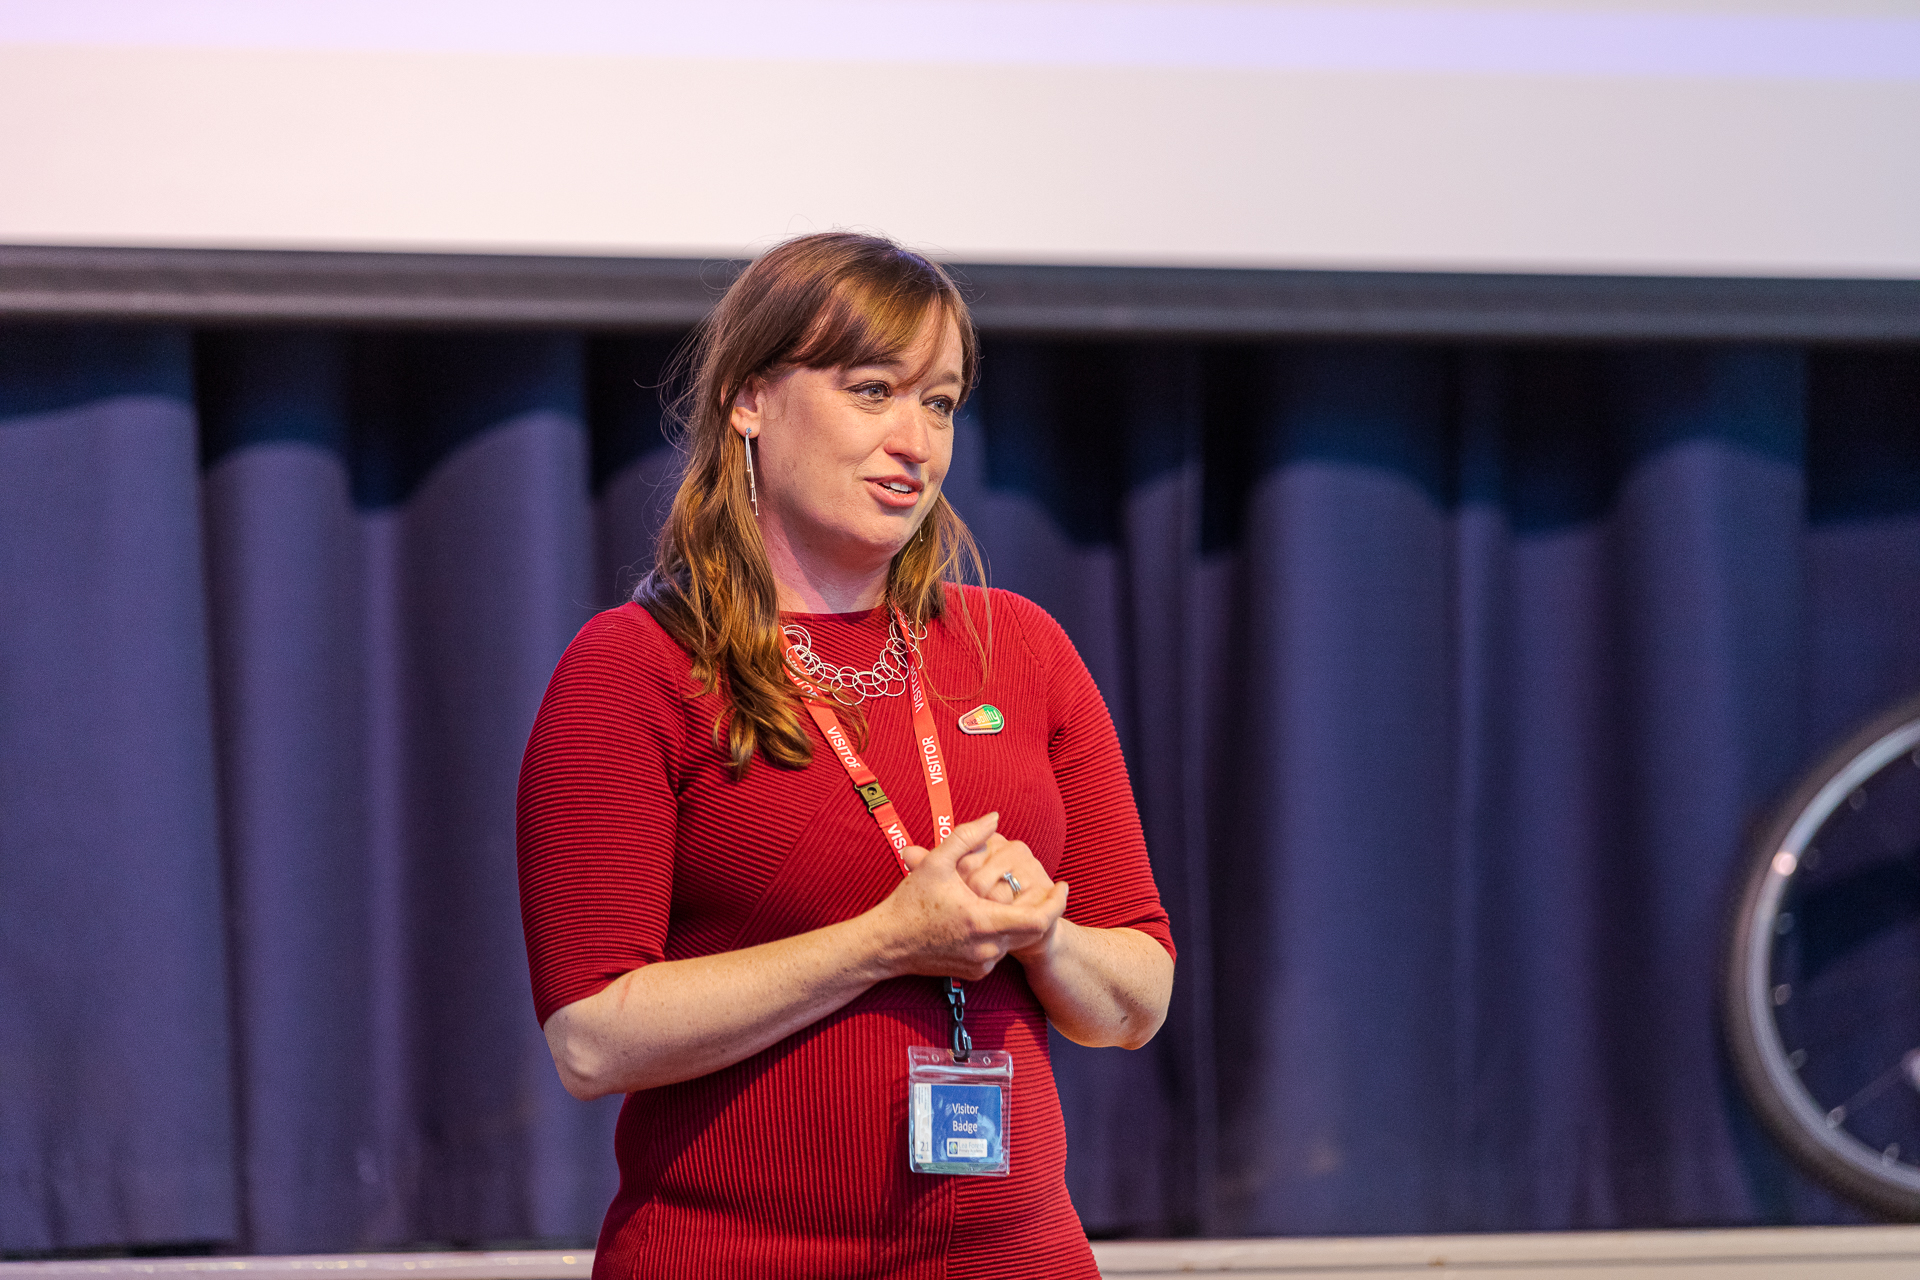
point(636, 845)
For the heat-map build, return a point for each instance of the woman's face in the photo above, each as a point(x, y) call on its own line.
point(849, 461)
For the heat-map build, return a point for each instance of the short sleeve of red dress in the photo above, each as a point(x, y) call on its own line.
point(597, 809)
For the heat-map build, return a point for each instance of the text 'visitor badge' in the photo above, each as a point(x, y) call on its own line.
point(957, 1112)
point(985, 718)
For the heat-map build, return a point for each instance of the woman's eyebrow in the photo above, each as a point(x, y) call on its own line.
point(899, 367)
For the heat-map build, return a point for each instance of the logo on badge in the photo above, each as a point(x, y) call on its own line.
point(985, 718)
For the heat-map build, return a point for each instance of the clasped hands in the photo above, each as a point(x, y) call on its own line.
point(959, 915)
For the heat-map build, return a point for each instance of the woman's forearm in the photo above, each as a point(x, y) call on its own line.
point(678, 1019)
point(1101, 986)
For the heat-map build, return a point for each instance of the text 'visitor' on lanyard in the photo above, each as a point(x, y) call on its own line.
point(939, 792)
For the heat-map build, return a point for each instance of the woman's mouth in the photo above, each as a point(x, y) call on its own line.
point(895, 491)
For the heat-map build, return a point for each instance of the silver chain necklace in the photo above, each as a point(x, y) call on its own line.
point(886, 678)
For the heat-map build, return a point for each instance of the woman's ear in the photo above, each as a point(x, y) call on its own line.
point(747, 408)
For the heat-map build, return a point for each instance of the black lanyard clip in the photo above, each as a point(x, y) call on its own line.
point(957, 1001)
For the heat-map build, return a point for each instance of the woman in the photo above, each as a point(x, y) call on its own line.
point(716, 923)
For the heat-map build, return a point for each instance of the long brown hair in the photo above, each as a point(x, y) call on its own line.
point(826, 301)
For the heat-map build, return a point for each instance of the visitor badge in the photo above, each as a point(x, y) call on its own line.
point(957, 1112)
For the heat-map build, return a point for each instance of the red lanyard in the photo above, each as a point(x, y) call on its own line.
point(932, 762)
point(939, 797)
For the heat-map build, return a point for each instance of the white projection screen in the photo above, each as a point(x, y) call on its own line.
point(1691, 137)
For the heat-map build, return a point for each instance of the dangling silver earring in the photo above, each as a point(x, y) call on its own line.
point(753, 491)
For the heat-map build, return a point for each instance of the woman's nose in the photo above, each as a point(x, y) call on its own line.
point(909, 436)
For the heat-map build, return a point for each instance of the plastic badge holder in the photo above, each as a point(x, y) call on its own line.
point(957, 1112)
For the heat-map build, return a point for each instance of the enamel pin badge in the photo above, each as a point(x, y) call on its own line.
point(985, 718)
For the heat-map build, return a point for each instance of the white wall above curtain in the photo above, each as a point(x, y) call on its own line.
point(1758, 137)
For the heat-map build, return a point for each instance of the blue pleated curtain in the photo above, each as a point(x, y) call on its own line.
point(1449, 678)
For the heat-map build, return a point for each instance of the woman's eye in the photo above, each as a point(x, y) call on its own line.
point(942, 406)
point(872, 391)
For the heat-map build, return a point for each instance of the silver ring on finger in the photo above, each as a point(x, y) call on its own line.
point(1012, 883)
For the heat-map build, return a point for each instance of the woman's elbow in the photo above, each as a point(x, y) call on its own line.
point(1140, 1031)
point(1124, 1029)
point(581, 1064)
point(1145, 1020)
point(584, 1087)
